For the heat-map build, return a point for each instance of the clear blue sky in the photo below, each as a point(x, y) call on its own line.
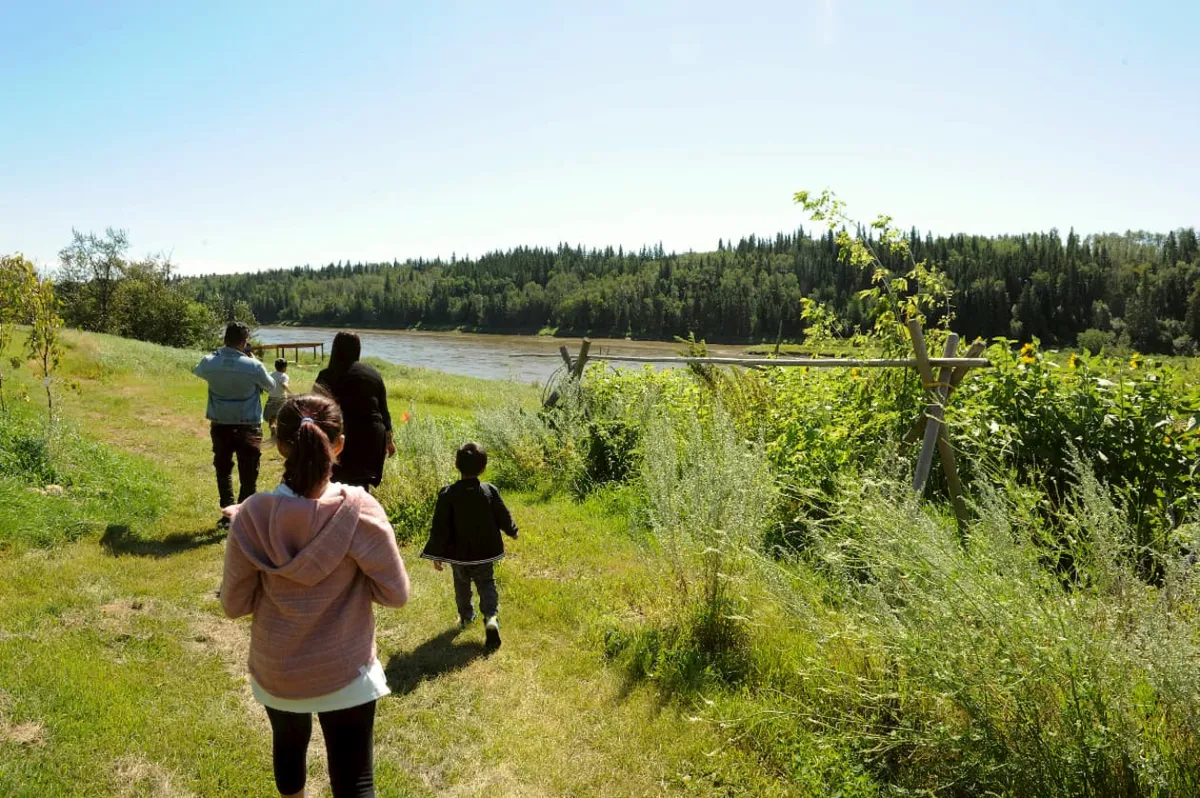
point(245, 135)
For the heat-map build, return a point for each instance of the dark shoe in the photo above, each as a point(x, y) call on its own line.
point(492, 632)
point(223, 523)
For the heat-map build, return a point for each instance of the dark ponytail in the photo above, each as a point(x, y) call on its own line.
point(309, 424)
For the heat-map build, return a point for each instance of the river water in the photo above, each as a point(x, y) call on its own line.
point(497, 357)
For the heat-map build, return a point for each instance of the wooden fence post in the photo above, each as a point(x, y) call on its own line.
point(933, 408)
point(581, 361)
point(935, 429)
point(576, 369)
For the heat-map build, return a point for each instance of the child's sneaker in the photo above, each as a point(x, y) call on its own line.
point(492, 631)
point(463, 623)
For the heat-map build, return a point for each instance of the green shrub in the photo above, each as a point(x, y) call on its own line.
point(1095, 342)
point(1131, 425)
point(975, 669)
point(25, 450)
point(423, 464)
point(537, 450)
point(611, 451)
point(709, 497)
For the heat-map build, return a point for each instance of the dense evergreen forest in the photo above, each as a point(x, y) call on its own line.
point(1138, 289)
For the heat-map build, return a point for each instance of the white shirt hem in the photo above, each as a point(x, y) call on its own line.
point(371, 685)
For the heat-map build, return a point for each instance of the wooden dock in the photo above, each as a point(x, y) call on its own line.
point(281, 350)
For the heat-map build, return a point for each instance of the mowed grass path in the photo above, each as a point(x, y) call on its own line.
point(120, 676)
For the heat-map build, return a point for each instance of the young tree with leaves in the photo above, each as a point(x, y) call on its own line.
point(923, 291)
point(43, 334)
point(94, 265)
point(16, 284)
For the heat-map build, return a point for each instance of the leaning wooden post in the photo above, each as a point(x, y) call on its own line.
point(933, 408)
point(565, 354)
point(576, 371)
point(581, 361)
point(935, 429)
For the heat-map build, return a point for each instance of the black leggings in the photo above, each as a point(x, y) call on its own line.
point(349, 744)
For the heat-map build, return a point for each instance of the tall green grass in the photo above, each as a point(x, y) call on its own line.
point(57, 484)
point(890, 654)
point(424, 462)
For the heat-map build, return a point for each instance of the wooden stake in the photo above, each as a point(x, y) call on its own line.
point(953, 484)
point(565, 354)
point(576, 371)
point(581, 361)
point(933, 410)
point(935, 429)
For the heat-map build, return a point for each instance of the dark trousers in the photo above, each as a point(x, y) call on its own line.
point(245, 442)
point(349, 746)
point(483, 576)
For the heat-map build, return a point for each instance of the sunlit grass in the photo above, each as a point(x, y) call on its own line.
point(119, 676)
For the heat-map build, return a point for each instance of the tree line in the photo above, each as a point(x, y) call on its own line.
point(102, 289)
point(1138, 289)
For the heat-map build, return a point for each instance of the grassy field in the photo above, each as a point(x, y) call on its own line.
point(120, 676)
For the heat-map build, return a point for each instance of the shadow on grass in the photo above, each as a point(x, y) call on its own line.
point(435, 657)
point(119, 540)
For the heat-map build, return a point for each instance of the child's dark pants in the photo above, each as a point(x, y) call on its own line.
point(485, 582)
point(349, 744)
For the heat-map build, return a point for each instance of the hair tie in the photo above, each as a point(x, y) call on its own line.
point(306, 420)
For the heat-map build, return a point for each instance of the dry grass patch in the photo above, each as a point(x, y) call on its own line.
point(28, 733)
point(136, 776)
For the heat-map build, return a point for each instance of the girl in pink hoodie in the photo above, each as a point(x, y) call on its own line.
point(307, 560)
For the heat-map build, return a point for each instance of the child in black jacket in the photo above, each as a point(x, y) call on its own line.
point(467, 522)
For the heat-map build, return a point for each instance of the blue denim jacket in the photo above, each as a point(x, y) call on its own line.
point(234, 386)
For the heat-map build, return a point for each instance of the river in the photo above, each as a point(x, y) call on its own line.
point(497, 357)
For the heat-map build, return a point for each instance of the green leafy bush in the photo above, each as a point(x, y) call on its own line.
point(611, 453)
point(1095, 342)
point(709, 496)
point(538, 449)
point(1132, 426)
point(423, 464)
point(25, 450)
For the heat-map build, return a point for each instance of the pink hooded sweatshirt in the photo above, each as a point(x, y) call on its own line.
point(308, 569)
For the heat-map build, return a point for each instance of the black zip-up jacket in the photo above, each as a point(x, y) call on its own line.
point(467, 522)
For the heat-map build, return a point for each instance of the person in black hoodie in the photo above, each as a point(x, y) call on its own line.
point(359, 391)
point(467, 522)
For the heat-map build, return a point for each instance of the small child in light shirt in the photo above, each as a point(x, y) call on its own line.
point(277, 396)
